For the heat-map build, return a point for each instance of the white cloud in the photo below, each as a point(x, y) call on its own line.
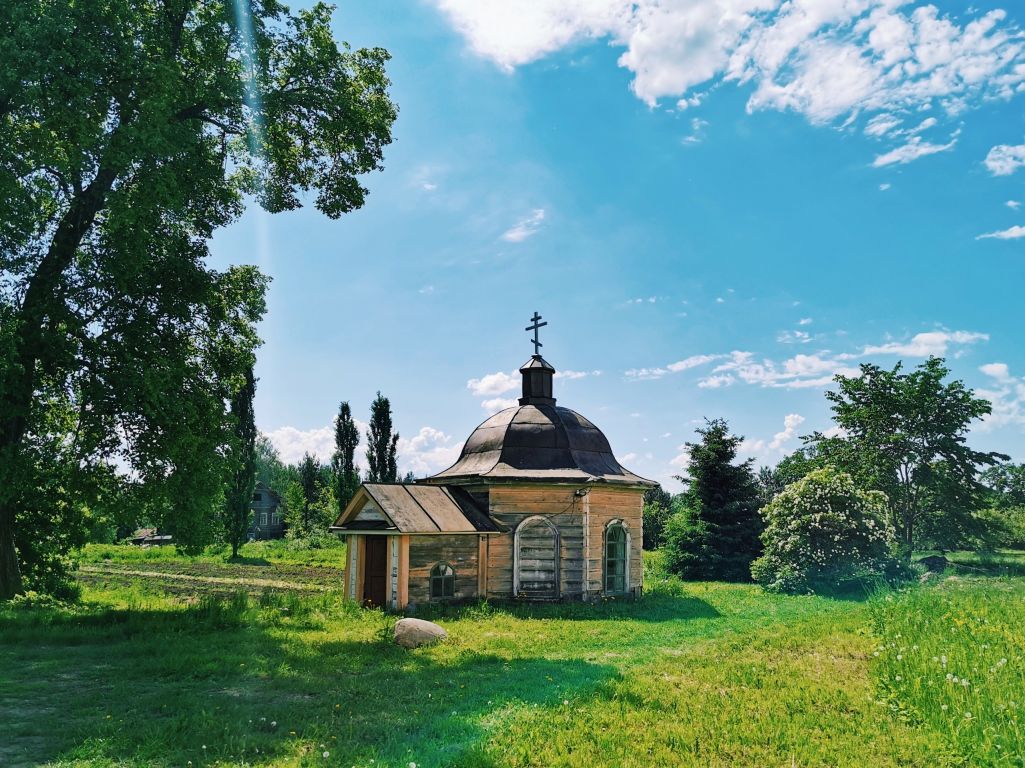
point(292, 443)
point(691, 362)
point(883, 187)
point(926, 344)
point(643, 374)
point(682, 460)
point(427, 290)
point(716, 381)
point(793, 337)
point(790, 424)
point(797, 372)
point(805, 321)
point(1005, 159)
point(427, 452)
point(914, 149)
point(525, 227)
point(496, 404)
point(1011, 233)
point(570, 375)
point(1013, 204)
point(825, 59)
point(497, 383)
point(1007, 398)
point(627, 458)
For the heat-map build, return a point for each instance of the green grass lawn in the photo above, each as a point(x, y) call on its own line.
point(274, 551)
point(701, 674)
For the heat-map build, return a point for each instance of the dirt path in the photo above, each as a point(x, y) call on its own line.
point(243, 582)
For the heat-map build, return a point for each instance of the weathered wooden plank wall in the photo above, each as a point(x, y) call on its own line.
point(605, 505)
point(460, 551)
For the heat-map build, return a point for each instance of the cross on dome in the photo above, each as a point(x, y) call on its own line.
point(537, 325)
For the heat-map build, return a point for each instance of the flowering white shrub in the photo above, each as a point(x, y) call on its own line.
point(821, 532)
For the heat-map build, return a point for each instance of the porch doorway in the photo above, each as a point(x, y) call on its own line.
point(375, 571)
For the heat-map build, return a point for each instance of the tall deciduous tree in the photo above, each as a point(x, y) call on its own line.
point(905, 434)
point(238, 497)
point(382, 444)
point(129, 132)
point(716, 536)
point(343, 462)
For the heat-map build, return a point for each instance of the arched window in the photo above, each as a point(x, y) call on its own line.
point(615, 558)
point(443, 581)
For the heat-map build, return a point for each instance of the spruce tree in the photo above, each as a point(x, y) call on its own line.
point(717, 534)
point(238, 498)
point(343, 463)
point(382, 445)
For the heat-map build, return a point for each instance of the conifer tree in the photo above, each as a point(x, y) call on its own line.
point(716, 536)
point(343, 463)
point(236, 513)
point(382, 445)
point(309, 482)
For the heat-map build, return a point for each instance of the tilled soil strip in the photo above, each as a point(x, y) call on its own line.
point(206, 579)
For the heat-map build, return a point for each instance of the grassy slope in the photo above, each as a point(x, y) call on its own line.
point(277, 551)
point(697, 674)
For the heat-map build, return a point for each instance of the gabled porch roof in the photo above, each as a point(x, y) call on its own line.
point(414, 509)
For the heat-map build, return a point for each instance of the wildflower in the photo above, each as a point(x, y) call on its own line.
point(565, 702)
point(273, 723)
point(899, 657)
point(967, 715)
point(943, 707)
point(204, 746)
point(327, 754)
point(898, 678)
point(412, 765)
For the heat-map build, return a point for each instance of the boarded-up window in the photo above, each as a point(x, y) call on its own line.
point(443, 581)
point(615, 558)
point(537, 559)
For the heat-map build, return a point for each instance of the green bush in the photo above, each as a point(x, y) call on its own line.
point(823, 533)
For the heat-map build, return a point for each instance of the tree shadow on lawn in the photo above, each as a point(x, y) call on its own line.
point(154, 686)
point(654, 607)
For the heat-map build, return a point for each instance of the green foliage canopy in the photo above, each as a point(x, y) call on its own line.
point(822, 532)
point(905, 434)
point(129, 132)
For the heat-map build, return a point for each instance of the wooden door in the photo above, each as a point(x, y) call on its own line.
point(537, 559)
point(375, 571)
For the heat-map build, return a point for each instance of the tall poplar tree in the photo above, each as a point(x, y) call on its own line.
point(237, 511)
point(129, 133)
point(382, 445)
point(343, 462)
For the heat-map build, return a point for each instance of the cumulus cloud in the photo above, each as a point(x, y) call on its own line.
point(497, 383)
point(797, 372)
point(1011, 233)
point(427, 452)
point(1007, 397)
point(926, 344)
point(525, 227)
point(1013, 204)
point(1005, 159)
point(914, 149)
point(790, 424)
point(826, 60)
point(496, 404)
point(291, 443)
point(642, 374)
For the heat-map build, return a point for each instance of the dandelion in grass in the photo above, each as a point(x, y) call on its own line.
point(327, 754)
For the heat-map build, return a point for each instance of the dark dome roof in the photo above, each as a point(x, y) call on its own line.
point(542, 443)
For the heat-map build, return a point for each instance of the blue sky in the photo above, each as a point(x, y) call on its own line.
point(717, 205)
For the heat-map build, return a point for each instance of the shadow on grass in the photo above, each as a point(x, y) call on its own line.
point(154, 686)
point(656, 607)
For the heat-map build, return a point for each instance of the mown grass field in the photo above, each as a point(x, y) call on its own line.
point(700, 674)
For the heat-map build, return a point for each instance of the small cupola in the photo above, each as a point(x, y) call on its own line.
point(537, 382)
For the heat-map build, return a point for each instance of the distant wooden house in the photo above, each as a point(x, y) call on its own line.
point(268, 518)
point(150, 537)
point(536, 508)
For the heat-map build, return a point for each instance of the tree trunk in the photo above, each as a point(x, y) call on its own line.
point(41, 298)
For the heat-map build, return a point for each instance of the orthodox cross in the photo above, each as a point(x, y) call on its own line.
point(537, 344)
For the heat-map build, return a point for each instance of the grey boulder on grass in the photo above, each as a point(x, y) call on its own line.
point(412, 633)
